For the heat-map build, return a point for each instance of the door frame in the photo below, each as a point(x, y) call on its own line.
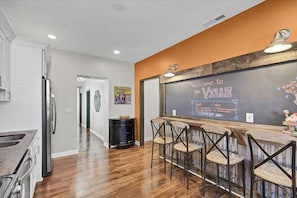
point(141, 107)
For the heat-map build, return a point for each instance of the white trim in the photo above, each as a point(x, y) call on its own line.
point(6, 27)
point(100, 137)
point(66, 153)
point(137, 143)
point(106, 144)
point(148, 139)
point(30, 43)
point(97, 134)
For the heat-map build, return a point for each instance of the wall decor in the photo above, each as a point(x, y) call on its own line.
point(122, 95)
point(97, 100)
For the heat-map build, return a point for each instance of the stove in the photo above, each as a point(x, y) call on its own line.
point(7, 185)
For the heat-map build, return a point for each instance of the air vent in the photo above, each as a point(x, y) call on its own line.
point(214, 20)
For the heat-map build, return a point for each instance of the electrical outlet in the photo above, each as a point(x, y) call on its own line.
point(249, 117)
point(174, 112)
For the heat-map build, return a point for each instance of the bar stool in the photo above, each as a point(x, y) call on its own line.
point(217, 151)
point(161, 136)
point(182, 143)
point(265, 161)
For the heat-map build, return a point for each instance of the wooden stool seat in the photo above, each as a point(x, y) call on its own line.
point(161, 140)
point(191, 147)
point(218, 158)
point(270, 172)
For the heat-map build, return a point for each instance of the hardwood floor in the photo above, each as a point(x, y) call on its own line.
point(100, 172)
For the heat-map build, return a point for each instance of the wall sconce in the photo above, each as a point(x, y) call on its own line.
point(279, 42)
point(170, 71)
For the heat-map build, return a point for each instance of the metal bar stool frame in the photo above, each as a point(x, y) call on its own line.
point(182, 144)
point(160, 137)
point(270, 157)
point(223, 133)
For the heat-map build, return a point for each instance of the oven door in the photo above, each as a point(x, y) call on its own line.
point(9, 187)
point(24, 172)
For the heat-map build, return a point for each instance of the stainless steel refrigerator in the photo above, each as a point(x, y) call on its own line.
point(48, 126)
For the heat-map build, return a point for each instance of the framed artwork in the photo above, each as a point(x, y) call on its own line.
point(97, 100)
point(122, 95)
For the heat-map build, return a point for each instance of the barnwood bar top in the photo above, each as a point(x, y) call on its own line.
point(238, 128)
point(11, 156)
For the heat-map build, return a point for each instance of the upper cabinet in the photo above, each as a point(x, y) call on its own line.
point(7, 35)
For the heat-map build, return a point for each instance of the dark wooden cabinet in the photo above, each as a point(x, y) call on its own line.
point(121, 132)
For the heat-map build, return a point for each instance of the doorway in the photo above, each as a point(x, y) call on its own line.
point(94, 96)
point(149, 105)
point(80, 108)
point(88, 114)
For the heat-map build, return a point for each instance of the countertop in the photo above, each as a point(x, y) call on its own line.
point(238, 129)
point(12, 155)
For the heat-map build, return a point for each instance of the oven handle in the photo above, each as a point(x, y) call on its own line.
point(17, 190)
point(29, 160)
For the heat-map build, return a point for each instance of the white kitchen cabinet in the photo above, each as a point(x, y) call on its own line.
point(4, 69)
point(34, 153)
point(7, 35)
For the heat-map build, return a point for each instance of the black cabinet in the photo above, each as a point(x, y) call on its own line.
point(121, 132)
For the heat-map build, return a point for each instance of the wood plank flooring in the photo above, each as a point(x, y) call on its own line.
point(98, 172)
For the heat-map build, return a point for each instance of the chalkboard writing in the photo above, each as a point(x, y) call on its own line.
point(220, 109)
point(264, 91)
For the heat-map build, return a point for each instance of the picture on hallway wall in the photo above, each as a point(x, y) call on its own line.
point(122, 95)
point(97, 100)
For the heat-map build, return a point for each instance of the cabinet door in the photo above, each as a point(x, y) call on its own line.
point(2, 62)
point(114, 131)
point(4, 68)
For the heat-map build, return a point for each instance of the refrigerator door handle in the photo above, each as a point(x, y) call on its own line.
point(54, 115)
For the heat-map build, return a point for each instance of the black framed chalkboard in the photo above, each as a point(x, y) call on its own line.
point(265, 91)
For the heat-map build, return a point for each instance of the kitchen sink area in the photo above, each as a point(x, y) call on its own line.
point(13, 137)
point(10, 140)
point(7, 144)
point(16, 163)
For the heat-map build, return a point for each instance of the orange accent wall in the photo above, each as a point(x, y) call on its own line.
point(247, 32)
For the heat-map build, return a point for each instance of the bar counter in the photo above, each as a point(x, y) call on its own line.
point(239, 145)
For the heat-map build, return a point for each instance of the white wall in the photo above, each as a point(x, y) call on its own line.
point(63, 72)
point(151, 105)
point(23, 112)
point(98, 120)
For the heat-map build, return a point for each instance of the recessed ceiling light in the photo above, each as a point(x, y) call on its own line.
point(116, 52)
point(51, 36)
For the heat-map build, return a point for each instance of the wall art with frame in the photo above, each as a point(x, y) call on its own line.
point(122, 95)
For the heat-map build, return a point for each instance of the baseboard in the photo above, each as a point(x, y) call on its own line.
point(148, 139)
point(97, 134)
point(66, 153)
point(137, 143)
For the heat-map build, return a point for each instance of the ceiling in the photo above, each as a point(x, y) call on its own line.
point(138, 28)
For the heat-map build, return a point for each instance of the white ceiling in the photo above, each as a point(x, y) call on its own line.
point(138, 28)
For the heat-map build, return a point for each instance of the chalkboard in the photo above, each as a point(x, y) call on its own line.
point(265, 91)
